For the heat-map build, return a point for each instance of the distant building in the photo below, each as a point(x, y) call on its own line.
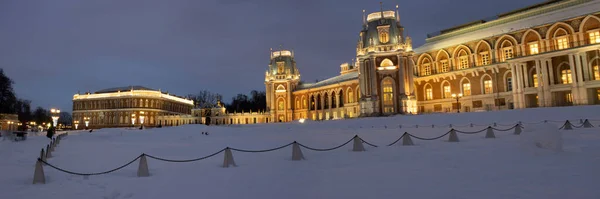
point(126, 106)
point(9, 122)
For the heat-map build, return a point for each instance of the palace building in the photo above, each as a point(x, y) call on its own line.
point(127, 106)
point(543, 55)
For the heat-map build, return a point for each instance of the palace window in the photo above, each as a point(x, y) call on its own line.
point(509, 84)
point(596, 70)
point(304, 103)
point(485, 58)
point(297, 104)
point(280, 68)
point(535, 80)
point(384, 37)
point(281, 105)
point(534, 48)
point(569, 98)
point(388, 95)
point(428, 94)
point(566, 76)
point(562, 43)
point(464, 62)
point(350, 96)
point(598, 94)
point(445, 67)
point(426, 69)
point(447, 93)
point(508, 53)
point(466, 89)
point(487, 87)
point(594, 37)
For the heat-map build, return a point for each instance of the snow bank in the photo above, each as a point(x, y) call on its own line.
point(542, 136)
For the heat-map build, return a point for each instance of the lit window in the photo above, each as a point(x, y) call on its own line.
point(350, 96)
point(280, 68)
point(569, 98)
point(485, 58)
point(466, 89)
point(594, 37)
point(509, 84)
point(487, 85)
point(428, 94)
point(445, 67)
point(464, 62)
point(384, 37)
point(563, 43)
point(598, 94)
point(535, 80)
point(281, 105)
point(447, 93)
point(596, 70)
point(534, 49)
point(298, 104)
point(426, 69)
point(566, 76)
point(508, 53)
point(304, 103)
point(388, 96)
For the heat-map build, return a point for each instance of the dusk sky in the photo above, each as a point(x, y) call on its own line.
point(53, 49)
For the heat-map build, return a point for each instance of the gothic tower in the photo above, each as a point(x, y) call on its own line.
point(384, 55)
point(281, 80)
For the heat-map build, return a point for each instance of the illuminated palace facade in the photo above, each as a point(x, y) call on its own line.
point(540, 56)
point(128, 106)
point(543, 55)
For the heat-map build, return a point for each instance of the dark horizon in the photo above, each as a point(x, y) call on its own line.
point(52, 50)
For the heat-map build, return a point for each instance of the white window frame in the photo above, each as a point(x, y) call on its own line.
point(445, 66)
point(531, 49)
point(558, 42)
point(485, 58)
point(506, 51)
point(597, 36)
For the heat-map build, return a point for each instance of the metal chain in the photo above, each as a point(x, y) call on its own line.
point(261, 151)
point(189, 160)
point(329, 149)
point(466, 132)
point(435, 138)
point(397, 139)
point(367, 142)
point(89, 174)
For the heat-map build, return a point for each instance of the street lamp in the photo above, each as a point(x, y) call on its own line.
point(55, 115)
point(76, 124)
point(455, 96)
point(133, 119)
point(87, 121)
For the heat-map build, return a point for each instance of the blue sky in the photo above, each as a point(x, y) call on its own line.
point(53, 49)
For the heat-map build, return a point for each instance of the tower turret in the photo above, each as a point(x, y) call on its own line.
point(281, 79)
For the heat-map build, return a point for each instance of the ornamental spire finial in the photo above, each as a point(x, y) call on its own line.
point(381, 6)
point(397, 15)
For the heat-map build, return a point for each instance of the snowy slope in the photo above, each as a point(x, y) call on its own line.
point(472, 168)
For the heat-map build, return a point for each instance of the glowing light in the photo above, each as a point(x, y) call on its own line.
point(377, 15)
point(301, 120)
point(140, 93)
point(281, 53)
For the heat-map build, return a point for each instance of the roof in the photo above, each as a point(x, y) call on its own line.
point(124, 88)
point(333, 80)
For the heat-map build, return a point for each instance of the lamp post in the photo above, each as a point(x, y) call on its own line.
point(76, 124)
point(457, 97)
point(55, 115)
point(87, 121)
point(133, 119)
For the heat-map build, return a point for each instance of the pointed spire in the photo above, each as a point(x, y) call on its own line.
point(364, 18)
point(381, 6)
point(397, 15)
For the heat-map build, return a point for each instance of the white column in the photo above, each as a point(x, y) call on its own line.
point(373, 77)
point(581, 64)
point(551, 71)
point(525, 75)
point(411, 85)
point(585, 66)
point(401, 78)
point(362, 77)
point(540, 88)
point(546, 76)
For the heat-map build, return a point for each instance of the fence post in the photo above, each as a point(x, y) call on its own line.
point(567, 126)
point(453, 137)
point(296, 152)
point(38, 173)
point(490, 133)
point(143, 167)
point(48, 152)
point(587, 124)
point(228, 159)
point(42, 155)
point(358, 146)
point(518, 129)
point(406, 141)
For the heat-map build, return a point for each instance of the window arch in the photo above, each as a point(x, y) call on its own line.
point(342, 98)
point(446, 90)
point(428, 91)
point(463, 59)
point(386, 62)
point(443, 61)
point(280, 88)
point(426, 67)
point(350, 95)
point(333, 99)
point(280, 104)
point(508, 81)
point(483, 55)
point(304, 103)
point(564, 73)
point(465, 87)
point(533, 78)
point(487, 86)
point(531, 42)
point(559, 36)
point(312, 103)
point(590, 27)
point(507, 50)
point(595, 66)
point(318, 102)
point(326, 99)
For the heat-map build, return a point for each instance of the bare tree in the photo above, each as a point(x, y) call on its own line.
point(205, 99)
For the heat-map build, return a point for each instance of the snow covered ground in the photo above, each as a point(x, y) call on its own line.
point(472, 168)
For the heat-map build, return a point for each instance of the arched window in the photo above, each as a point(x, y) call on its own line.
point(507, 49)
point(428, 92)
point(561, 39)
point(446, 91)
point(595, 69)
point(386, 63)
point(280, 68)
point(297, 104)
point(304, 104)
point(326, 101)
point(388, 95)
point(333, 99)
point(565, 74)
point(341, 102)
point(487, 84)
point(384, 37)
point(318, 102)
point(281, 104)
point(280, 89)
point(426, 67)
point(463, 59)
point(466, 88)
point(312, 103)
point(350, 96)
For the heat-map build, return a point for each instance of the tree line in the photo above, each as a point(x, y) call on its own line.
point(10, 104)
point(256, 101)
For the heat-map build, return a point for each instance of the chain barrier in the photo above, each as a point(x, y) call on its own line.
point(397, 140)
point(329, 149)
point(473, 132)
point(261, 151)
point(367, 142)
point(89, 174)
point(508, 129)
point(189, 160)
point(435, 138)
